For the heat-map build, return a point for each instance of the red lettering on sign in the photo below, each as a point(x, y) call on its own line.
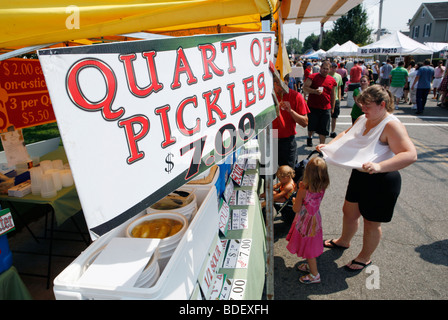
point(249, 90)
point(235, 108)
point(163, 113)
point(229, 45)
point(261, 86)
point(180, 115)
point(154, 85)
point(212, 106)
point(182, 66)
point(267, 48)
point(78, 98)
point(208, 62)
point(132, 137)
point(255, 60)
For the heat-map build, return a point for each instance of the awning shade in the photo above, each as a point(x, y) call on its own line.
point(29, 22)
point(298, 11)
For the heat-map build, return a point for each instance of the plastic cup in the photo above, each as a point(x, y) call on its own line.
point(36, 180)
point(47, 189)
point(46, 165)
point(57, 164)
point(66, 178)
point(56, 174)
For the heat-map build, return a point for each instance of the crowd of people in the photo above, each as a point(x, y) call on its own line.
point(313, 102)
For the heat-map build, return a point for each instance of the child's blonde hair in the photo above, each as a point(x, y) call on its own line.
point(316, 176)
point(286, 171)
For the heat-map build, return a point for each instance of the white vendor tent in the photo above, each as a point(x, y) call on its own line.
point(348, 49)
point(319, 54)
point(330, 52)
point(437, 46)
point(395, 44)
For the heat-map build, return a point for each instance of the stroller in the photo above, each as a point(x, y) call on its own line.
point(285, 208)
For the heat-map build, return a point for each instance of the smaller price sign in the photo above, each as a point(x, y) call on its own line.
point(24, 98)
point(6, 222)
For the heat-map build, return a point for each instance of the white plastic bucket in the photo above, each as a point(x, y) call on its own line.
point(168, 245)
point(188, 210)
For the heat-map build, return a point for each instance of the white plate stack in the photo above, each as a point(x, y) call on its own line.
point(182, 201)
point(150, 274)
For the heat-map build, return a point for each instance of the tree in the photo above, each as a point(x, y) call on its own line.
point(352, 26)
point(311, 42)
point(294, 46)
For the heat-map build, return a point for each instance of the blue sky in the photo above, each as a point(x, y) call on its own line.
point(396, 14)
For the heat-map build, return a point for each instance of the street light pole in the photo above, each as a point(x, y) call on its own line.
point(378, 34)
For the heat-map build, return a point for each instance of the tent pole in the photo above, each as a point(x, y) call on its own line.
point(269, 213)
point(267, 146)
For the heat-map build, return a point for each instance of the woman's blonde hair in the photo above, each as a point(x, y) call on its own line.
point(377, 94)
point(316, 176)
point(286, 171)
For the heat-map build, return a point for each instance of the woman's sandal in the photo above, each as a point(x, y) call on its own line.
point(360, 265)
point(332, 245)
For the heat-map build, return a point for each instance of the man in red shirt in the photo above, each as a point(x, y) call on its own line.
point(293, 109)
point(355, 73)
point(321, 102)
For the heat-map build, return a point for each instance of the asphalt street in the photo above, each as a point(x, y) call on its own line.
point(411, 261)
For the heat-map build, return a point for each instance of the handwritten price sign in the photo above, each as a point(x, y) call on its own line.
point(24, 98)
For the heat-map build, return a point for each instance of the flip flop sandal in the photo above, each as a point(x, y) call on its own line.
point(333, 245)
point(363, 265)
point(304, 267)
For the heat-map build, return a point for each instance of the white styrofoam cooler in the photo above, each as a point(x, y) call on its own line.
point(177, 280)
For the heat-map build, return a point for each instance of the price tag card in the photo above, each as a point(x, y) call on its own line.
point(231, 256)
point(234, 198)
point(251, 164)
point(237, 254)
point(228, 192)
point(224, 215)
point(238, 288)
point(237, 173)
point(246, 197)
point(226, 289)
point(217, 287)
point(249, 180)
point(6, 222)
point(212, 263)
point(240, 219)
point(244, 254)
point(242, 161)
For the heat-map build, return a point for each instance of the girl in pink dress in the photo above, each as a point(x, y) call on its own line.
point(305, 236)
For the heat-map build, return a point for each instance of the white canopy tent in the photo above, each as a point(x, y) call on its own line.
point(395, 44)
point(348, 49)
point(332, 50)
point(437, 46)
point(319, 54)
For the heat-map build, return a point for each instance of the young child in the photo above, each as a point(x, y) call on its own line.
point(285, 187)
point(305, 236)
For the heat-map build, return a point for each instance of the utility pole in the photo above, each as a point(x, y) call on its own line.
point(321, 34)
point(378, 34)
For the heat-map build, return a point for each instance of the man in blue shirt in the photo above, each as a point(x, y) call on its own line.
point(423, 79)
